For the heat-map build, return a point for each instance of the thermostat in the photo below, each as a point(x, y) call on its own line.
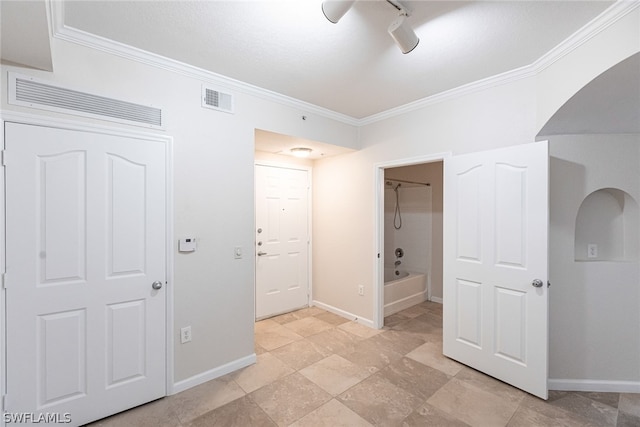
point(187, 244)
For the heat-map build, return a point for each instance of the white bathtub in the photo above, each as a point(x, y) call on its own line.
point(403, 291)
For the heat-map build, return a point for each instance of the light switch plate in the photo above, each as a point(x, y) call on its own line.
point(187, 244)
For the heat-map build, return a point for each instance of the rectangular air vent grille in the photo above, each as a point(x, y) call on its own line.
point(36, 94)
point(212, 98)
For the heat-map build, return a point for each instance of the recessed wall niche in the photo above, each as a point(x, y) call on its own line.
point(607, 227)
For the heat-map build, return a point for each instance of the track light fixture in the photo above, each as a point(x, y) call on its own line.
point(399, 30)
point(335, 9)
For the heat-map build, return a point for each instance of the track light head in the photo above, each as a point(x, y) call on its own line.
point(335, 9)
point(403, 34)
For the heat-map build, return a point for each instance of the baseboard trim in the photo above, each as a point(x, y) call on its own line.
point(213, 374)
point(437, 299)
point(342, 313)
point(594, 385)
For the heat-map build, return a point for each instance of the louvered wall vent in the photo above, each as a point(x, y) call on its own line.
point(30, 92)
point(214, 99)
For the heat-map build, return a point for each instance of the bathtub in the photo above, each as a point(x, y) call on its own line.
point(403, 291)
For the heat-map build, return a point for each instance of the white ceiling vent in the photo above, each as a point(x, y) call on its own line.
point(35, 93)
point(214, 99)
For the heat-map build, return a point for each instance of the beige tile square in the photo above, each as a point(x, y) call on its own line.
point(430, 354)
point(332, 414)
point(395, 319)
point(298, 354)
point(267, 369)
point(492, 385)
point(286, 318)
point(359, 330)
point(276, 337)
point(591, 410)
point(472, 405)
point(630, 403)
point(397, 341)
point(627, 420)
point(371, 355)
point(242, 412)
point(206, 397)
point(308, 326)
point(290, 398)
point(334, 341)
point(534, 411)
point(416, 378)
point(159, 413)
point(264, 325)
point(310, 311)
point(335, 374)
point(380, 402)
point(427, 415)
point(332, 319)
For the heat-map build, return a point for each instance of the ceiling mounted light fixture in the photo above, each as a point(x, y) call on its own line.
point(401, 31)
point(335, 9)
point(301, 151)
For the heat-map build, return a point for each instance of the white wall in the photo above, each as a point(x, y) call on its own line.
point(508, 114)
point(594, 318)
point(213, 189)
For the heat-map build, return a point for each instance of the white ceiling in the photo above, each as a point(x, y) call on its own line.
point(351, 67)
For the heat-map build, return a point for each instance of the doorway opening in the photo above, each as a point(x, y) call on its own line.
point(409, 230)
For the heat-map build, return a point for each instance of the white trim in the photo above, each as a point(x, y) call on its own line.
point(343, 313)
point(378, 207)
point(607, 18)
point(73, 35)
point(594, 385)
point(214, 373)
point(57, 123)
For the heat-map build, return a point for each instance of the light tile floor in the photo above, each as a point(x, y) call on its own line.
point(317, 369)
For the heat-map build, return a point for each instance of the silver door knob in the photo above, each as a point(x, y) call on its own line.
point(537, 283)
point(261, 253)
point(156, 285)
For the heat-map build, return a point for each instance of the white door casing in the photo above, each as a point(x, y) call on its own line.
point(495, 246)
point(86, 238)
point(282, 240)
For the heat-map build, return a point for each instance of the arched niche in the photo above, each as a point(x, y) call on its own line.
point(607, 227)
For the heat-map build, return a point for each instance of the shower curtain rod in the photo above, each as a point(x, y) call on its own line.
point(409, 182)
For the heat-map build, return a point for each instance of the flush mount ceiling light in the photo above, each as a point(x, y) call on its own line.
point(301, 151)
point(399, 30)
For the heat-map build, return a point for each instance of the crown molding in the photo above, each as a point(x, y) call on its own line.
point(607, 18)
point(73, 35)
point(601, 22)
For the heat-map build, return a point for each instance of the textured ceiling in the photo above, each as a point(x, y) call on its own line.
point(351, 67)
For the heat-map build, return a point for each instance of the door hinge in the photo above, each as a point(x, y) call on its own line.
point(4, 280)
point(4, 403)
point(3, 155)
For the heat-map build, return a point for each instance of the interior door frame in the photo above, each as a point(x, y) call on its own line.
point(308, 169)
point(378, 248)
point(73, 125)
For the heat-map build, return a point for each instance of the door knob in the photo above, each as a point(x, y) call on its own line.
point(537, 283)
point(261, 253)
point(156, 285)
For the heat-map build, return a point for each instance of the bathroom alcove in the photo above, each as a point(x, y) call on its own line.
point(607, 227)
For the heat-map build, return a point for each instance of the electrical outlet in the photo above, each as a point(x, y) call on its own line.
point(185, 334)
point(361, 290)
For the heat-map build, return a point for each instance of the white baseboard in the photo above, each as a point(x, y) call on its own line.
point(342, 313)
point(594, 385)
point(213, 374)
point(436, 299)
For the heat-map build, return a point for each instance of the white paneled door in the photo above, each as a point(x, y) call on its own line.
point(85, 241)
point(495, 284)
point(282, 240)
